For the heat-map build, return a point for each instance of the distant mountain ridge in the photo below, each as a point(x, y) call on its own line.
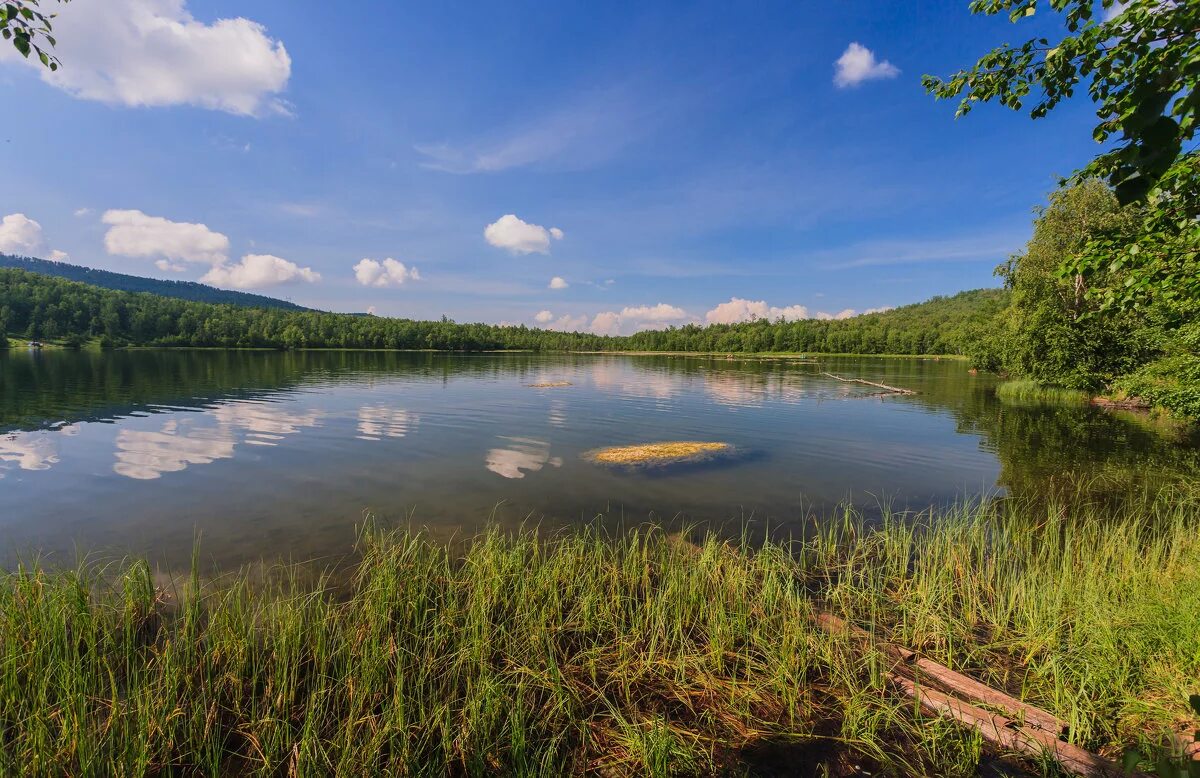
point(183, 290)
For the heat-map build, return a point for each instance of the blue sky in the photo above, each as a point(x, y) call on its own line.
point(691, 155)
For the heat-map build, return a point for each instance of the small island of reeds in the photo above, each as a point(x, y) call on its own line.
point(660, 454)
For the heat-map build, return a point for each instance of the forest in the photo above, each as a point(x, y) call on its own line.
point(184, 290)
point(39, 307)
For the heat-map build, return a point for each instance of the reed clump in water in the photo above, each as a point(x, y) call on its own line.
point(533, 654)
point(651, 454)
point(549, 385)
point(1029, 392)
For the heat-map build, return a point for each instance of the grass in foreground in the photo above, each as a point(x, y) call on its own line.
point(533, 655)
point(1029, 392)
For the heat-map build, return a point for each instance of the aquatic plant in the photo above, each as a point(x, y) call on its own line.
point(1026, 391)
point(657, 454)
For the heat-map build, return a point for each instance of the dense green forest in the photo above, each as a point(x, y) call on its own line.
point(41, 307)
point(184, 290)
point(1057, 330)
point(942, 325)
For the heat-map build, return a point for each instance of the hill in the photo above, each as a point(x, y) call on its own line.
point(42, 307)
point(183, 290)
point(941, 325)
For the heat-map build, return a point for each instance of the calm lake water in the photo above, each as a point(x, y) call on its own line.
point(268, 454)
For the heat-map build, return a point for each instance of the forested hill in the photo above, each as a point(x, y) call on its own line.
point(184, 290)
point(41, 307)
point(942, 325)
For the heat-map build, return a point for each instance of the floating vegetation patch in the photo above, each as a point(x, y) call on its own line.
point(661, 454)
point(549, 385)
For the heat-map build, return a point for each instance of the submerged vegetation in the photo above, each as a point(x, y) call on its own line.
point(637, 654)
point(656, 454)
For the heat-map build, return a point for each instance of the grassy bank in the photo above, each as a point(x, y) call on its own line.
point(1028, 392)
point(545, 655)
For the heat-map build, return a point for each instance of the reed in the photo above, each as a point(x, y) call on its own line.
point(1025, 391)
point(530, 653)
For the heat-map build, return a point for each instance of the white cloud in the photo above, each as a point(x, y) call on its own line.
point(607, 323)
point(739, 310)
point(845, 313)
point(155, 53)
point(167, 266)
point(858, 64)
point(389, 272)
point(82, 211)
point(519, 237)
point(58, 256)
point(558, 282)
point(135, 234)
point(20, 235)
point(880, 309)
point(371, 310)
point(653, 313)
point(564, 323)
point(634, 318)
point(256, 271)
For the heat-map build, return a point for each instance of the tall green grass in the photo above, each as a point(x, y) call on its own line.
point(638, 654)
point(1024, 391)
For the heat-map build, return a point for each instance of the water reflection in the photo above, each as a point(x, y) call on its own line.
point(524, 454)
point(28, 450)
point(376, 422)
point(145, 455)
point(264, 423)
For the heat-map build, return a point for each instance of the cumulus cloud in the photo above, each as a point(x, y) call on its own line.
point(256, 271)
point(519, 237)
point(389, 272)
point(82, 211)
point(58, 256)
point(20, 235)
point(564, 323)
point(845, 313)
point(858, 64)
point(738, 310)
point(135, 234)
point(558, 282)
point(633, 318)
point(167, 266)
point(155, 53)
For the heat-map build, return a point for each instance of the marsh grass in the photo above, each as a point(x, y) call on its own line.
point(633, 654)
point(1025, 391)
point(657, 454)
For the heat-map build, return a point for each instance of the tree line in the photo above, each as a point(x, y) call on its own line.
point(39, 307)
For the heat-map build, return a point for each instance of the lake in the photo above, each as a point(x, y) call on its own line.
point(269, 455)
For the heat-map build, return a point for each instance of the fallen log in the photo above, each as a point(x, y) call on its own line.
point(956, 682)
point(1009, 735)
point(890, 389)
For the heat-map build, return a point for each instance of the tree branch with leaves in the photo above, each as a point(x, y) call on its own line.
point(29, 29)
point(1140, 63)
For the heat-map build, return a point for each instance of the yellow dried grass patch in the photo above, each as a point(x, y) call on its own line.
point(659, 453)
